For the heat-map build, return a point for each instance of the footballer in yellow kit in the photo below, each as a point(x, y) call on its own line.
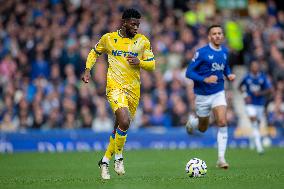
point(123, 79)
point(127, 52)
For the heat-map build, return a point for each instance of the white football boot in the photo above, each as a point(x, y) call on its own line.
point(119, 166)
point(104, 170)
point(189, 127)
point(222, 164)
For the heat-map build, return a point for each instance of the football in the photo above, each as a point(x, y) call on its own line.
point(196, 168)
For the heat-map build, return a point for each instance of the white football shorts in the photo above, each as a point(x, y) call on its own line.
point(204, 103)
point(255, 111)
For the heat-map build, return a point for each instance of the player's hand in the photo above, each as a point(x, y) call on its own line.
point(211, 79)
point(86, 76)
point(132, 60)
point(256, 93)
point(231, 77)
point(248, 100)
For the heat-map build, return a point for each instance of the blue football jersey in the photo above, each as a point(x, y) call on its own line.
point(208, 61)
point(256, 83)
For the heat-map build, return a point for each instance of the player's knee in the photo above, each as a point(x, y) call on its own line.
point(124, 124)
point(253, 119)
point(203, 125)
point(202, 130)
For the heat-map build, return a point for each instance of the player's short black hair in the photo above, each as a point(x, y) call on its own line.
point(213, 26)
point(131, 13)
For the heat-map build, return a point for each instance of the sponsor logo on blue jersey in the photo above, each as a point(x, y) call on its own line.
point(123, 53)
point(254, 87)
point(217, 67)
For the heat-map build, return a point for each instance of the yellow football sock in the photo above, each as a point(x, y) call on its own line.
point(120, 139)
point(110, 148)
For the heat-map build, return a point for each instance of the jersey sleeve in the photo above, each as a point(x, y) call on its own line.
point(242, 84)
point(148, 60)
point(227, 70)
point(191, 69)
point(266, 83)
point(94, 53)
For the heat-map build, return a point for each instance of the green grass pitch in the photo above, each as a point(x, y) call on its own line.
point(159, 169)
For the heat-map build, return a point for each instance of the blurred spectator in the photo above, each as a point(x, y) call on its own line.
point(159, 117)
point(178, 111)
point(7, 123)
point(147, 107)
point(102, 122)
point(69, 121)
point(86, 117)
point(25, 120)
point(7, 68)
point(39, 119)
point(53, 120)
point(276, 112)
point(40, 67)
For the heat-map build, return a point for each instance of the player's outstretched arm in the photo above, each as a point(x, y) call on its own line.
point(228, 73)
point(191, 69)
point(266, 88)
point(191, 74)
point(148, 65)
point(148, 61)
point(240, 87)
point(133, 61)
point(87, 75)
point(92, 57)
point(212, 79)
point(264, 92)
point(231, 77)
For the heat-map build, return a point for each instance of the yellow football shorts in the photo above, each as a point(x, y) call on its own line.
point(120, 97)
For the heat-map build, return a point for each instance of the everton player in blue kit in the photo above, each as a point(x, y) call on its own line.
point(207, 69)
point(255, 86)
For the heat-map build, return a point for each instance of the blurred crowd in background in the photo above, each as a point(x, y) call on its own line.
point(44, 45)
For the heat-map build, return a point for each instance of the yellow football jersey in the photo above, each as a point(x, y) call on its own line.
point(118, 48)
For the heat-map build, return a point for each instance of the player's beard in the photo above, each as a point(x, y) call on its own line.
point(129, 33)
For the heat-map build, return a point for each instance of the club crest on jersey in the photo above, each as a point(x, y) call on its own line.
point(217, 67)
point(260, 80)
point(249, 81)
point(210, 57)
point(225, 56)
